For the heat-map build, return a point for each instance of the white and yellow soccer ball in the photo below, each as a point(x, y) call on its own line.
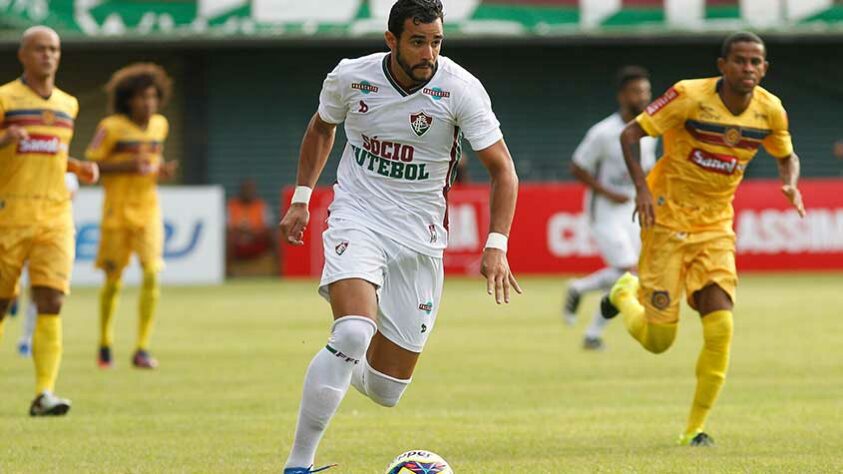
point(419, 462)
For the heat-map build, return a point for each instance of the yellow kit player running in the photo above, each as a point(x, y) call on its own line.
point(36, 224)
point(128, 146)
point(711, 128)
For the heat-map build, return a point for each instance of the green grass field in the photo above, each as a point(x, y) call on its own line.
point(500, 389)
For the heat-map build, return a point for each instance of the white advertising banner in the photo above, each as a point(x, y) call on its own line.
point(194, 236)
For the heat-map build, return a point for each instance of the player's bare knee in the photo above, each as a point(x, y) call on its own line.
point(48, 300)
point(712, 298)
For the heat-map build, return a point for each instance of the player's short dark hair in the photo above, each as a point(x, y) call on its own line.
point(739, 37)
point(420, 11)
point(133, 79)
point(628, 74)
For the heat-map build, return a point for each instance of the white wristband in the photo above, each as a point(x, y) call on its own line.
point(301, 195)
point(496, 241)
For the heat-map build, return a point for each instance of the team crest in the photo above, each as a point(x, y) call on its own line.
point(420, 123)
point(48, 117)
point(732, 136)
point(341, 247)
point(660, 299)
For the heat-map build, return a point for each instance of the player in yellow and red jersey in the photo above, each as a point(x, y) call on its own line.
point(36, 224)
point(711, 128)
point(129, 146)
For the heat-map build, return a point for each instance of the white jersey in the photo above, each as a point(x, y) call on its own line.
point(600, 154)
point(403, 146)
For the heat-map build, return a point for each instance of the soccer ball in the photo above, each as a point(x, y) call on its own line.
point(419, 462)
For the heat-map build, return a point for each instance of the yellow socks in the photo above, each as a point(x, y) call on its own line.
point(148, 301)
point(711, 367)
point(656, 338)
point(46, 351)
point(108, 303)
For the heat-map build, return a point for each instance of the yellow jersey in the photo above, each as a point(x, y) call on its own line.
point(32, 186)
point(706, 150)
point(131, 200)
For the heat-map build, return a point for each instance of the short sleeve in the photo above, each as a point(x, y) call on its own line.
point(589, 152)
point(778, 143)
point(667, 112)
point(475, 117)
point(332, 108)
point(101, 145)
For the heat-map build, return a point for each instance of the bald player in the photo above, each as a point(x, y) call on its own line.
point(36, 225)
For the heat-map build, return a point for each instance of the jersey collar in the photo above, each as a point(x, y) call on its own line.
point(23, 81)
point(401, 90)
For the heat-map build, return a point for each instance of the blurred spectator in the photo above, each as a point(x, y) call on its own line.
point(249, 225)
point(837, 150)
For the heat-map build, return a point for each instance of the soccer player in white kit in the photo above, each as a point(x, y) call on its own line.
point(405, 114)
point(598, 163)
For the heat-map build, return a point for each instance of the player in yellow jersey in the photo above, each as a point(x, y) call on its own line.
point(36, 225)
point(711, 129)
point(129, 146)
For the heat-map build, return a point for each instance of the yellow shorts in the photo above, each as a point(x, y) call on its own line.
point(118, 244)
point(48, 251)
point(674, 261)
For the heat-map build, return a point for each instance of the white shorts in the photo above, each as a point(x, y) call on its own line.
point(618, 238)
point(409, 284)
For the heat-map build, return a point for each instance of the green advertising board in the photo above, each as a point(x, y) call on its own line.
point(209, 19)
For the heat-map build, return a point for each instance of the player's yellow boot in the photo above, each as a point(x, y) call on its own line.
point(622, 295)
point(696, 439)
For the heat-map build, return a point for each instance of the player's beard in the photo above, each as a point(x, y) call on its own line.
point(410, 70)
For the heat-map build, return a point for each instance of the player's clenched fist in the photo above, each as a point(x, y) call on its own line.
point(294, 223)
point(499, 277)
point(13, 133)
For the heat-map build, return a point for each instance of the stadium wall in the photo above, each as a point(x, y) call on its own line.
point(241, 111)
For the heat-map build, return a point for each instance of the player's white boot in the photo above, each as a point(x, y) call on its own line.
point(47, 404)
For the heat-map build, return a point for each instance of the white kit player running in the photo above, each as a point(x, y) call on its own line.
point(609, 202)
point(405, 113)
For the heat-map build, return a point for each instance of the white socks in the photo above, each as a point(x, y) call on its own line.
point(598, 323)
point(383, 389)
point(326, 383)
point(599, 280)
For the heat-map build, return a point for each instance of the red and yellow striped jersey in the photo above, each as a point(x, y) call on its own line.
point(32, 186)
point(131, 200)
point(706, 150)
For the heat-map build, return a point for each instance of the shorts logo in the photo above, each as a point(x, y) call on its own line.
point(341, 247)
point(433, 237)
point(426, 307)
point(364, 87)
point(40, 144)
point(662, 101)
point(723, 164)
point(732, 136)
point(660, 299)
point(436, 93)
point(420, 123)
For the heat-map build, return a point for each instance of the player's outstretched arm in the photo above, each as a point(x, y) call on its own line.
point(789, 172)
point(315, 148)
point(589, 180)
point(504, 194)
point(631, 146)
point(87, 171)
